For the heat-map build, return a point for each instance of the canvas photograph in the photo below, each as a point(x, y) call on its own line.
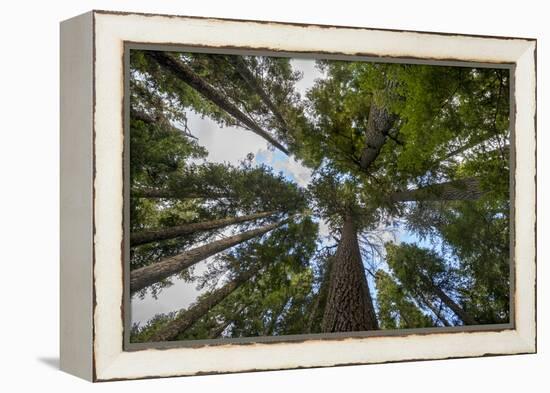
point(277, 195)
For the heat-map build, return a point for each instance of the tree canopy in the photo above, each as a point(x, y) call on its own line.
point(403, 221)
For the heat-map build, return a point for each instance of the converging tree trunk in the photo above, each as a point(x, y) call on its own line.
point(186, 74)
point(247, 75)
point(453, 153)
point(466, 318)
point(318, 307)
point(437, 313)
point(185, 229)
point(457, 190)
point(349, 305)
point(187, 318)
point(379, 124)
point(151, 274)
point(275, 316)
point(180, 194)
point(218, 330)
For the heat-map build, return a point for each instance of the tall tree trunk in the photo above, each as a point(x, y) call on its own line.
point(275, 315)
point(379, 123)
point(505, 149)
point(151, 274)
point(245, 73)
point(466, 318)
point(158, 120)
point(318, 308)
point(457, 190)
point(186, 74)
point(433, 309)
point(218, 330)
point(180, 230)
point(349, 304)
point(187, 318)
point(180, 194)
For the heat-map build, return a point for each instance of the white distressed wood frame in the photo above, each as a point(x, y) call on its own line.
point(92, 86)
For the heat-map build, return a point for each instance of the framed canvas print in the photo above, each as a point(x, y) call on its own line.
point(245, 195)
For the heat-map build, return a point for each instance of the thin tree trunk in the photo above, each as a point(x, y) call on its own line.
point(186, 73)
point(318, 308)
point(183, 194)
point(504, 150)
point(158, 120)
point(270, 328)
point(466, 318)
point(457, 190)
point(245, 73)
point(379, 123)
point(144, 117)
point(187, 318)
point(180, 230)
point(349, 304)
point(471, 145)
point(218, 330)
point(149, 275)
point(460, 149)
point(434, 310)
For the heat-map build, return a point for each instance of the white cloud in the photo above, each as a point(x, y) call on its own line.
point(310, 74)
point(290, 167)
point(324, 229)
point(227, 144)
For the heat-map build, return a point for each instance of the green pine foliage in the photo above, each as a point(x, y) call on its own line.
point(396, 308)
point(447, 124)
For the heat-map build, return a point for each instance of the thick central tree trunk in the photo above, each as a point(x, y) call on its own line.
point(149, 275)
point(180, 230)
point(349, 304)
point(187, 318)
point(458, 190)
point(379, 123)
point(186, 74)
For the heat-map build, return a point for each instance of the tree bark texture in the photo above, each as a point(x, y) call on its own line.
point(349, 304)
point(457, 190)
point(149, 275)
point(185, 229)
point(379, 123)
point(187, 318)
point(186, 74)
